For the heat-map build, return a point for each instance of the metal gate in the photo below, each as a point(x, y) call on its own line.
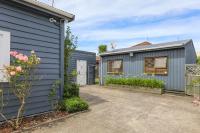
point(192, 80)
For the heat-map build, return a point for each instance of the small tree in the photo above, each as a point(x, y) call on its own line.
point(102, 48)
point(20, 75)
point(69, 47)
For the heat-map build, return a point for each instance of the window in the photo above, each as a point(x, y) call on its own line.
point(4, 52)
point(115, 67)
point(156, 65)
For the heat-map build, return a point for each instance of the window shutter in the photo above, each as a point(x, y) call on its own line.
point(4, 53)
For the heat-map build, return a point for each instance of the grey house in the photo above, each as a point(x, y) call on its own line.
point(165, 61)
point(83, 63)
point(27, 25)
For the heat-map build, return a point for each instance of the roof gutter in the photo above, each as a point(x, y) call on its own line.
point(47, 9)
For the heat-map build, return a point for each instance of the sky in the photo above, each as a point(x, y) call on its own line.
point(129, 22)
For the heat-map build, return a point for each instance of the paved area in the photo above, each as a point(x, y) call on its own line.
point(115, 111)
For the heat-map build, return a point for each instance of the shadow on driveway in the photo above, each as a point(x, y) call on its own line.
point(91, 99)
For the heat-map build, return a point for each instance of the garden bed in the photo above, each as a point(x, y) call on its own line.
point(33, 121)
point(136, 84)
point(136, 88)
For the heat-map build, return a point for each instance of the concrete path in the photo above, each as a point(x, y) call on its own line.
point(115, 111)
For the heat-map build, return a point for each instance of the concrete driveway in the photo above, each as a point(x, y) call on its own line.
point(115, 111)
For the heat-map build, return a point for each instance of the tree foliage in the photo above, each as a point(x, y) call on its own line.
point(102, 48)
point(69, 46)
point(198, 60)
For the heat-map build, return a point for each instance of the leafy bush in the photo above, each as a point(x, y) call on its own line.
point(152, 83)
point(74, 104)
point(198, 60)
point(102, 48)
point(96, 81)
point(71, 90)
point(53, 98)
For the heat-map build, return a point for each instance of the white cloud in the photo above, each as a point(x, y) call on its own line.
point(92, 10)
point(168, 28)
point(93, 13)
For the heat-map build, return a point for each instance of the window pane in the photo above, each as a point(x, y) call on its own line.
point(110, 66)
point(149, 65)
point(156, 65)
point(149, 62)
point(161, 62)
point(115, 66)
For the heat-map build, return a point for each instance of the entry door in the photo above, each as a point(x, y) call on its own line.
point(82, 72)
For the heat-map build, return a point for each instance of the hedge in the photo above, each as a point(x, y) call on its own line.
point(142, 82)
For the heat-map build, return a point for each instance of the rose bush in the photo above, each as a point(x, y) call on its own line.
point(20, 75)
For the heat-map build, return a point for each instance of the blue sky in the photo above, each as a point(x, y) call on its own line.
point(128, 22)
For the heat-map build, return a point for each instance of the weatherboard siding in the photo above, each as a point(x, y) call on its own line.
point(190, 54)
point(134, 67)
point(91, 62)
point(31, 30)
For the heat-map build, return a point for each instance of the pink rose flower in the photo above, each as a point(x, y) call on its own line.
point(20, 57)
point(12, 73)
point(19, 69)
point(25, 58)
point(13, 53)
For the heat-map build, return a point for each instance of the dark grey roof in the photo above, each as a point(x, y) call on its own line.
point(153, 47)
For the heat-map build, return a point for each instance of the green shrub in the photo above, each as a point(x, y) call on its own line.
point(198, 60)
point(71, 90)
point(152, 83)
point(102, 48)
point(96, 81)
point(74, 104)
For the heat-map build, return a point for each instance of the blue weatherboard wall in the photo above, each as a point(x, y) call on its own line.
point(91, 62)
point(31, 30)
point(134, 66)
point(190, 54)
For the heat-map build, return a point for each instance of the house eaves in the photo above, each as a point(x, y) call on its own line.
point(46, 8)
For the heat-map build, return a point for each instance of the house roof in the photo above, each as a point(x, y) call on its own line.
point(47, 8)
point(151, 47)
point(145, 43)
